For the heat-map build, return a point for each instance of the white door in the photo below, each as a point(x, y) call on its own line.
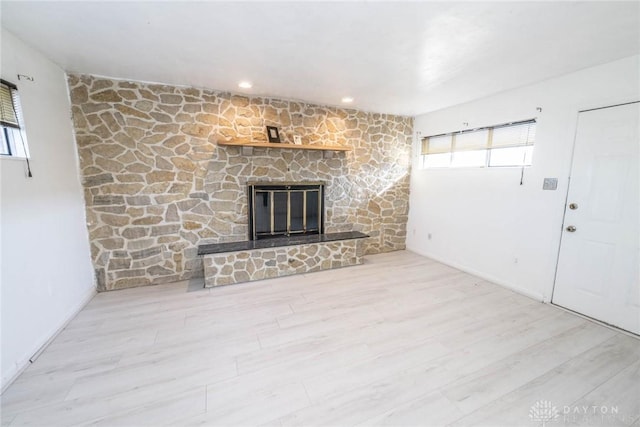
point(598, 266)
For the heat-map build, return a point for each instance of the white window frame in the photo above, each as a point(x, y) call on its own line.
point(13, 139)
point(486, 146)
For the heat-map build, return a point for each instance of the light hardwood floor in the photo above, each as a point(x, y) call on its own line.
point(400, 340)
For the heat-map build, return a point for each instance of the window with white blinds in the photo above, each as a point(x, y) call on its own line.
point(502, 145)
point(12, 135)
point(512, 145)
point(8, 115)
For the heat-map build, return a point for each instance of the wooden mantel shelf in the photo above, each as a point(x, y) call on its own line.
point(235, 143)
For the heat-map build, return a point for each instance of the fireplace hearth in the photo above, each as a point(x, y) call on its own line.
point(278, 209)
point(286, 236)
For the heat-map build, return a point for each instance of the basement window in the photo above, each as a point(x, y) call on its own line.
point(13, 138)
point(507, 145)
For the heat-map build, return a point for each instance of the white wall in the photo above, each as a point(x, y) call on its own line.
point(481, 220)
point(46, 273)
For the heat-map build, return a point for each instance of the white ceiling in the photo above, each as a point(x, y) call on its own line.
point(403, 58)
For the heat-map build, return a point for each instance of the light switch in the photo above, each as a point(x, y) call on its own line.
point(550, 184)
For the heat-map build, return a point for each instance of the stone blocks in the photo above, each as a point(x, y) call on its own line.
point(247, 266)
point(155, 179)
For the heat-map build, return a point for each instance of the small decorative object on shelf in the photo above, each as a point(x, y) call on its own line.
point(273, 134)
point(297, 139)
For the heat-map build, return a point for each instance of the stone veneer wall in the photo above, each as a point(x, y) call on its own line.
point(246, 266)
point(157, 185)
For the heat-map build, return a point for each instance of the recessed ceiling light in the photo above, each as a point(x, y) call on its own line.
point(347, 99)
point(245, 85)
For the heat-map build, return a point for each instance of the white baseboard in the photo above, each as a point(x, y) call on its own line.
point(9, 377)
point(535, 295)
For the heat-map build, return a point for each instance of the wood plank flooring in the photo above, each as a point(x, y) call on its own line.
point(400, 340)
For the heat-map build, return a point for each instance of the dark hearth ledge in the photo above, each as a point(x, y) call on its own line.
point(247, 245)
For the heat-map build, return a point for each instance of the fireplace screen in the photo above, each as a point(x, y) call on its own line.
point(280, 209)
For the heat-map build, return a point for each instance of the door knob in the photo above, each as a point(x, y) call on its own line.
point(573, 206)
point(571, 228)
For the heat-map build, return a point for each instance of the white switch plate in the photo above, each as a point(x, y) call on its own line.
point(550, 184)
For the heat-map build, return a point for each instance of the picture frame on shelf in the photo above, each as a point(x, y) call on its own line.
point(273, 134)
point(297, 139)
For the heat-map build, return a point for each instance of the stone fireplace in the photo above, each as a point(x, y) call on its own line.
point(285, 209)
point(158, 185)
